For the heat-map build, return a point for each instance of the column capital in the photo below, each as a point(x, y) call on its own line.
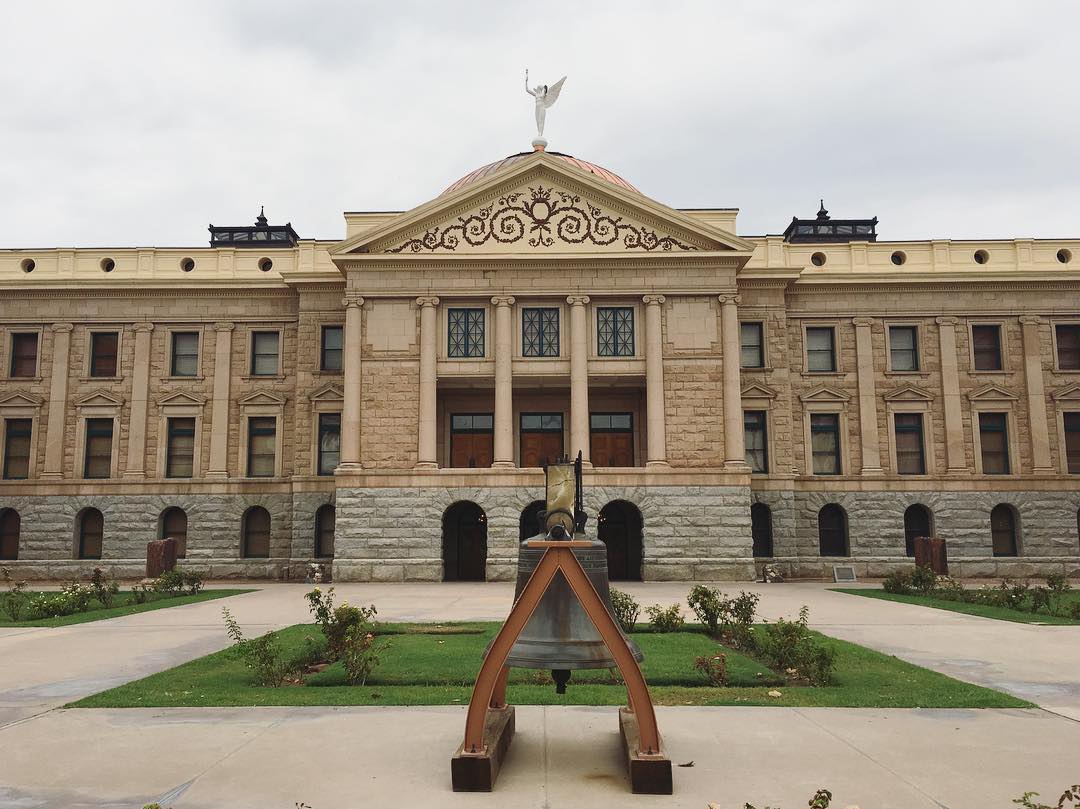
point(61, 328)
point(352, 300)
point(577, 300)
point(947, 321)
point(503, 300)
point(653, 300)
point(863, 321)
point(427, 301)
point(1030, 320)
point(143, 327)
point(729, 298)
point(224, 326)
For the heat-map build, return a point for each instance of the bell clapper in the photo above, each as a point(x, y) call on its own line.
point(561, 678)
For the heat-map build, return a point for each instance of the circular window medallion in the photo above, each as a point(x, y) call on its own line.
point(1064, 256)
point(265, 264)
point(108, 265)
point(899, 257)
point(187, 264)
point(981, 257)
point(28, 265)
point(818, 259)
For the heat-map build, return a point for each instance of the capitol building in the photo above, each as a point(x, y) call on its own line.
point(384, 404)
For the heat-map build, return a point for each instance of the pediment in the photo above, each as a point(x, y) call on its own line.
point(542, 206)
point(758, 391)
point(19, 398)
point(823, 393)
point(181, 399)
point(1067, 394)
point(908, 393)
point(99, 398)
point(992, 393)
point(262, 397)
point(327, 393)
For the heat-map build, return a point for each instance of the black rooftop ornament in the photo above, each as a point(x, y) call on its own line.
point(825, 230)
point(261, 234)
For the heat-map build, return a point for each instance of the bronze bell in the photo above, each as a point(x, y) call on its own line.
point(559, 635)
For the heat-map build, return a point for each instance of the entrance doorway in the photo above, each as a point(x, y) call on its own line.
point(464, 539)
point(472, 441)
point(619, 527)
point(761, 530)
point(529, 522)
point(916, 524)
point(541, 439)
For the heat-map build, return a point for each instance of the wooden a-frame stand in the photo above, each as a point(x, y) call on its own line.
point(489, 725)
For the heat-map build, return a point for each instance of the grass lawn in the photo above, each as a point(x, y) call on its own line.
point(429, 664)
point(982, 610)
point(97, 611)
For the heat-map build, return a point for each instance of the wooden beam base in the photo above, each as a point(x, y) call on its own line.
point(649, 775)
point(472, 773)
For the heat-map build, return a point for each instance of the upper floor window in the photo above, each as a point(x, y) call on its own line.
point(103, 348)
point(821, 349)
point(466, 337)
point(331, 348)
point(99, 440)
point(540, 332)
point(264, 353)
point(1068, 346)
point(825, 443)
point(180, 449)
point(329, 442)
point(757, 445)
point(184, 360)
point(262, 447)
point(994, 441)
point(910, 455)
point(17, 448)
point(752, 347)
point(615, 331)
point(24, 350)
point(903, 348)
point(1072, 442)
point(986, 347)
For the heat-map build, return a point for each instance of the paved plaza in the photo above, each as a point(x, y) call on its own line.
point(331, 758)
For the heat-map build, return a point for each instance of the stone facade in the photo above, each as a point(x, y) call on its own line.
point(541, 233)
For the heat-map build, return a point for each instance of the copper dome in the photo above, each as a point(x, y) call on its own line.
point(491, 168)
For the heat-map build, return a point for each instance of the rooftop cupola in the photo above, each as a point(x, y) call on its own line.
point(825, 229)
point(261, 234)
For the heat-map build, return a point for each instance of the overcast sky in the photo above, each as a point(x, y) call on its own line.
point(140, 123)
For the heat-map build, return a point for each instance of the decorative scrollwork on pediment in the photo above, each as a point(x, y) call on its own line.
point(544, 217)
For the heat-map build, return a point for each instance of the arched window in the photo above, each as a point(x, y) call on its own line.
point(256, 531)
point(529, 522)
point(832, 531)
point(174, 526)
point(325, 518)
point(1003, 530)
point(917, 523)
point(761, 529)
point(10, 524)
point(91, 526)
point(619, 526)
point(464, 542)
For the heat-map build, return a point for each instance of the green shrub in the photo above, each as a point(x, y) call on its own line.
point(708, 605)
point(791, 645)
point(336, 622)
point(898, 582)
point(193, 582)
point(1013, 595)
point(171, 582)
point(68, 601)
point(626, 609)
point(361, 654)
point(14, 601)
point(262, 655)
point(1074, 610)
point(714, 668)
point(140, 593)
point(665, 619)
point(742, 611)
point(923, 580)
point(105, 588)
point(732, 618)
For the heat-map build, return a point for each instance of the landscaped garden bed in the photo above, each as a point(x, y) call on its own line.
point(1054, 602)
point(716, 663)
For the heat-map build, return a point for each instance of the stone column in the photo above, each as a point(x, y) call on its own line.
point(219, 411)
point(868, 421)
point(140, 392)
point(579, 377)
point(54, 432)
point(656, 436)
point(1036, 395)
point(955, 460)
point(504, 383)
point(427, 428)
point(734, 436)
point(351, 363)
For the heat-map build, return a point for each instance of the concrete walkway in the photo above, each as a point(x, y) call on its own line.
point(271, 757)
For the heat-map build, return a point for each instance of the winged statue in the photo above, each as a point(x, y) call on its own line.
point(545, 96)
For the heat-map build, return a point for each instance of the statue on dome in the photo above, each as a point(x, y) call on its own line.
point(545, 96)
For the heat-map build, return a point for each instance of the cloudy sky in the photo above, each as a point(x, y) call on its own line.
point(138, 123)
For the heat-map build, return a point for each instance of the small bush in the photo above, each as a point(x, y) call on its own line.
point(923, 580)
point(68, 601)
point(742, 610)
point(105, 588)
point(898, 582)
point(791, 645)
point(1074, 610)
point(626, 609)
point(708, 604)
point(665, 619)
point(1013, 595)
point(336, 622)
point(171, 582)
point(262, 655)
point(362, 654)
point(14, 601)
point(731, 618)
point(193, 582)
point(140, 593)
point(714, 668)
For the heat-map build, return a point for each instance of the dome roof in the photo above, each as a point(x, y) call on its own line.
point(484, 172)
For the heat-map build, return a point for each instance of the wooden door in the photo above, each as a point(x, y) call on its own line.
point(612, 449)
point(472, 450)
point(540, 448)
